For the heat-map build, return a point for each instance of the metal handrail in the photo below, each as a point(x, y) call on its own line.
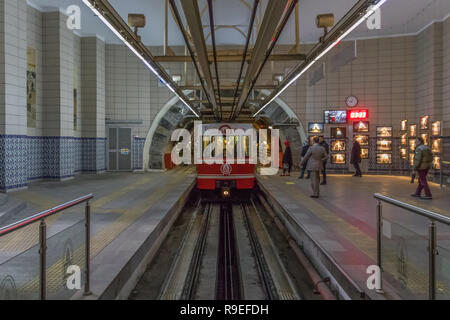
point(432, 239)
point(42, 215)
point(420, 211)
point(43, 239)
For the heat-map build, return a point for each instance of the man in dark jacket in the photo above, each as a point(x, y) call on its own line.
point(304, 151)
point(423, 159)
point(287, 159)
point(356, 158)
point(325, 145)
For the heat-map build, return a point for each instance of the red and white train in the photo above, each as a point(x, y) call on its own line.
point(227, 176)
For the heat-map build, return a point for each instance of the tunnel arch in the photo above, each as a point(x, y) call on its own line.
point(175, 114)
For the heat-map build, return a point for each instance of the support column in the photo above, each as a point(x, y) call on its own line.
point(93, 104)
point(13, 93)
point(58, 97)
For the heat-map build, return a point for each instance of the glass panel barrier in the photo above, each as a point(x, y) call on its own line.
point(50, 240)
point(443, 262)
point(404, 252)
point(66, 249)
point(19, 264)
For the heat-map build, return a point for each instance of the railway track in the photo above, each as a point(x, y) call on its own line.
point(227, 253)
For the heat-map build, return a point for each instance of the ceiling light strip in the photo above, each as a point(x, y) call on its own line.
point(311, 62)
point(139, 55)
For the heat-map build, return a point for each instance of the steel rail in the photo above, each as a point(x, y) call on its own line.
point(414, 209)
point(42, 215)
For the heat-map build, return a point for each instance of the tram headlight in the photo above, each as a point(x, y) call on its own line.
point(226, 193)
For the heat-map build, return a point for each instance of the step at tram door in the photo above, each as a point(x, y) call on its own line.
point(120, 149)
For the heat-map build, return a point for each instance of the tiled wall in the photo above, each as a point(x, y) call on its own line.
point(13, 162)
point(429, 72)
point(132, 91)
point(52, 150)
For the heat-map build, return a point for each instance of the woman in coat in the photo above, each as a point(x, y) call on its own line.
point(287, 159)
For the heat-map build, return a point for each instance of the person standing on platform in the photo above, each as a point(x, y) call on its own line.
point(305, 148)
point(325, 145)
point(287, 159)
point(315, 158)
point(356, 158)
point(423, 159)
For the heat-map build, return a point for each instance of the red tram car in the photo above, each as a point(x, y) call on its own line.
point(227, 176)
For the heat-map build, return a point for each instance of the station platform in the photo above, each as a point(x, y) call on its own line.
point(343, 221)
point(128, 214)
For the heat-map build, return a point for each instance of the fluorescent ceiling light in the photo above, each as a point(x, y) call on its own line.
point(119, 35)
point(371, 10)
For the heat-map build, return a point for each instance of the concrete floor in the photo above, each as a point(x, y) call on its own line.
point(121, 199)
point(343, 221)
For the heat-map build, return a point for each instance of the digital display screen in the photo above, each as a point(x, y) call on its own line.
point(358, 114)
point(335, 116)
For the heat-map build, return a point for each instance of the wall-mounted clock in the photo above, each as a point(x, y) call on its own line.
point(352, 101)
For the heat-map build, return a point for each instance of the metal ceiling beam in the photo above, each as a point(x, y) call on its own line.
point(110, 16)
point(280, 28)
point(346, 24)
point(232, 58)
point(213, 39)
point(272, 16)
point(233, 87)
point(187, 37)
point(193, 19)
point(244, 54)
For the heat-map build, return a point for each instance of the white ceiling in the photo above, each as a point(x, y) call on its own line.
point(398, 17)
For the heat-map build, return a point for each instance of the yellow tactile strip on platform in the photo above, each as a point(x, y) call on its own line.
point(359, 239)
point(55, 276)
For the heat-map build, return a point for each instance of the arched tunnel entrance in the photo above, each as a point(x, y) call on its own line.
point(175, 115)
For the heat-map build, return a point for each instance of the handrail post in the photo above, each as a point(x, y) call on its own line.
point(43, 260)
point(87, 289)
point(379, 244)
point(432, 261)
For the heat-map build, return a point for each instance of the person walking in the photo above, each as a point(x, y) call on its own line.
point(325, 145)
point(287, 159)
point(315, 158)
point(423, 159)
point(356, 158)
point(305, 149)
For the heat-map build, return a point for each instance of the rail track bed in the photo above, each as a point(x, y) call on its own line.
point(225, 250)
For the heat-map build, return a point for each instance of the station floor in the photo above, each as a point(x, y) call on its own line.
point(343, 221)
point(128, 207)
point(123, 203)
